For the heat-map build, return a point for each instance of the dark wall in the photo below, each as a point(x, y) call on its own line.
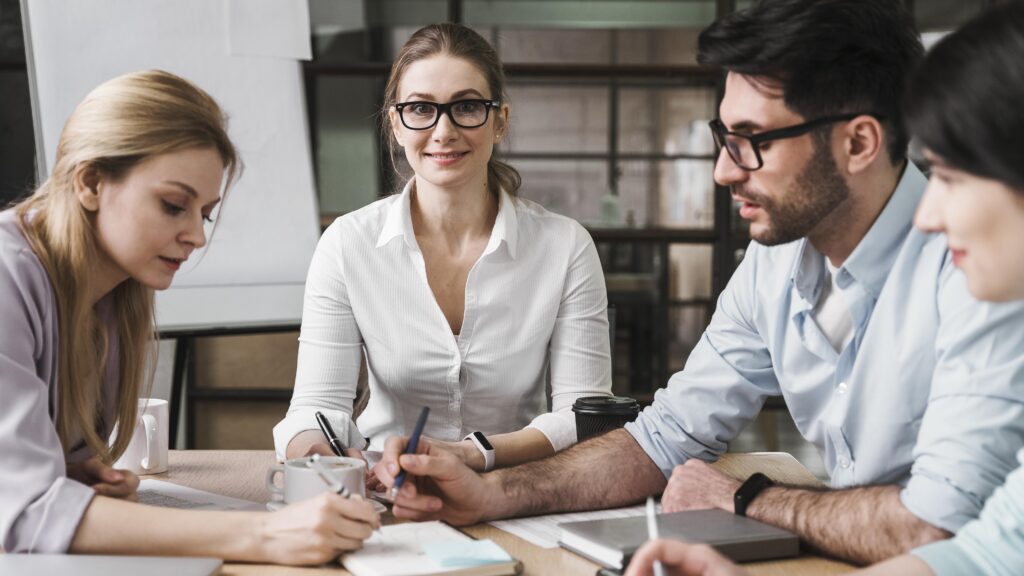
point(17, 140)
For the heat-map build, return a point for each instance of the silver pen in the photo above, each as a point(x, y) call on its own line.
point(652, 532)
point(335, 485)
point(332, 481)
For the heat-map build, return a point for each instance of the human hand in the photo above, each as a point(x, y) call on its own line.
point(324, 449)
point(104, 479)
point(466, 451)
point(316, 530)
point(438, 485)
point(681, 559)
point(695, 485)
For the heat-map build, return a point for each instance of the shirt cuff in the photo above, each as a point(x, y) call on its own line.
point(947, 558)
point(302, 419)
point(49, 524)
point(558, 427)
point(643, 431)
point(939, 503)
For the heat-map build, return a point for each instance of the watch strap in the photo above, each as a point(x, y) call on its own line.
point(488, 453)
point(749, 490)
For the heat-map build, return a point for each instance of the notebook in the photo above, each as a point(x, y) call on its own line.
point(83, 565)
point(612, 541)
point(424, 548)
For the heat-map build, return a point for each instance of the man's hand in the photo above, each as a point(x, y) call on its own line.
point(437, 486)
point(681, 559)
point(105, 480)
point(696, 486)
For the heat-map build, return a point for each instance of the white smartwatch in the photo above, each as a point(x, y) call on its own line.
point(484, 446)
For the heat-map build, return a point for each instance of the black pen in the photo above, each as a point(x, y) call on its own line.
point(332, 439)
point(414, 441)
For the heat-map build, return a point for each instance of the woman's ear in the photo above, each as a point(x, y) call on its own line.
point(501, 124)
point(393, 120)
point(87, 184)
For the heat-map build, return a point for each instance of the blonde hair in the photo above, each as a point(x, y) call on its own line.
point(461, 42)
point(119, 124)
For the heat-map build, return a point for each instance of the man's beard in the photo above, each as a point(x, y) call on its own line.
point(817, 191)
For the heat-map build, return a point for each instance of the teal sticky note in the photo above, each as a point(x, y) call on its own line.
point(465, 554)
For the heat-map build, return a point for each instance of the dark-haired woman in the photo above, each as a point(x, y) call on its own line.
point(463, 297)
point(964, 106)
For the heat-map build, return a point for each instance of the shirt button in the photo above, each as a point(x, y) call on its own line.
point(841, 389)
point(844, 463)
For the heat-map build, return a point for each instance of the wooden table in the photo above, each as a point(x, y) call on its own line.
point(240, 474)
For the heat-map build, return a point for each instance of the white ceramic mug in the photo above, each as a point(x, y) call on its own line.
point(147, 452)
point(300, 480)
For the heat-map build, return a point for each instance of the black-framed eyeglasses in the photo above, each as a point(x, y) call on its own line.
point(745, 149)
point(423, 115)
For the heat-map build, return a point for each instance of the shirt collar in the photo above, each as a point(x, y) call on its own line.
point(871, 260)
point(398, 222)
point(506, 226)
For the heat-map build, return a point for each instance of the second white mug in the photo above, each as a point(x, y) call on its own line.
point(147, 452)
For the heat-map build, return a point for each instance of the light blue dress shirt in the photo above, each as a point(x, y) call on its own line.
point(929, 393)
point(993, 544)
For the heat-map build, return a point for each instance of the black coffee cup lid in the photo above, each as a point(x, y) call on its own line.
point(606, 406)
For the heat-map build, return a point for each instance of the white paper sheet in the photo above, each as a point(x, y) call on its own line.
point(274, 28)
point(397, 549)
point(168, 495)
point(543, 531)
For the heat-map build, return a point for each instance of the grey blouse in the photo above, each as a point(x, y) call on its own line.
point(40, 507)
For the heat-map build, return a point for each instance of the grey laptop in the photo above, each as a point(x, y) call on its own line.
point(82, 565)
point(612, 541)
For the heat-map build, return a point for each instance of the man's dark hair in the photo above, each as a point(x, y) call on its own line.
point(827, 56)
point(964, 102)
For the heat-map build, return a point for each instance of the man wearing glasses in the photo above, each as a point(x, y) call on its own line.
point(859, 322)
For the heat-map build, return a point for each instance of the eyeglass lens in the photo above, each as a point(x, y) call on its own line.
point(740, 149)
point(465, 114)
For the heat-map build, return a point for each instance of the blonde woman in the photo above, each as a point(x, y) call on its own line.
point(140, 168)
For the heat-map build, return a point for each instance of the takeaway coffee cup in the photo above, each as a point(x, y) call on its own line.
point(300, 481)
point(598, 414)
point(147, 452)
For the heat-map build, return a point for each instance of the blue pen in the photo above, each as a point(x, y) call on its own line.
point(414, 441)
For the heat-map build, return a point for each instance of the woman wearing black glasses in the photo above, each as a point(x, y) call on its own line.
point(462, 297)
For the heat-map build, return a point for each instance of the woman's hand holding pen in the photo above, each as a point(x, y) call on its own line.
point(317, 530)
point(438, 486)
point(465, 450)
point(104, 479)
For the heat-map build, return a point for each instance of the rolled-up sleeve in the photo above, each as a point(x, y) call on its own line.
point(580, 346)
point(330, 348)
point(40, 508)
point(993, 544)
point(974, 422)
point(725, 382)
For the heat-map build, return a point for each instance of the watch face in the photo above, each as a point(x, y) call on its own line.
point(482, 440)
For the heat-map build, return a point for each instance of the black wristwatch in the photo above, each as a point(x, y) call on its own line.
point(748, 491)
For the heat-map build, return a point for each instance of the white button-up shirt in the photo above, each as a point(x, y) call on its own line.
point(535, 303)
